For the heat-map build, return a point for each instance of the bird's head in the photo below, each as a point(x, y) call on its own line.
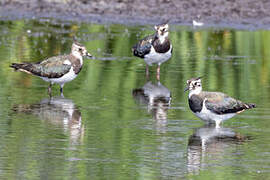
point(78, 49)
point(194, 85)
point(162, 30)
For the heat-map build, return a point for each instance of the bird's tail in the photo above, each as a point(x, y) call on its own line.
point(249, 105)
point(25, 67)
point(137, 92)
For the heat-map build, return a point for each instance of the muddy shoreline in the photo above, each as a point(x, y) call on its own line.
point(241, 14)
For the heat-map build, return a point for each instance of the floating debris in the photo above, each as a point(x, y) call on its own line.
point(197, 23)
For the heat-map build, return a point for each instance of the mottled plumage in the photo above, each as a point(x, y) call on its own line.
point(213, 106)
point(53, 67)
point(57, 69)
point(217, 102)
point(143, 47)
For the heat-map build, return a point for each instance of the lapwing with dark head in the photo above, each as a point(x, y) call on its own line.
point(155, 49)
point(58, 69)
point(213, 106)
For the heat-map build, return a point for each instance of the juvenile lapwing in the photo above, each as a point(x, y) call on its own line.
point(155, 49)
point(213, 106)
point(57, 69)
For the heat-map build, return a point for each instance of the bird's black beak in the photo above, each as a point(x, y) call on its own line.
point(88, 55)
point(186, 89)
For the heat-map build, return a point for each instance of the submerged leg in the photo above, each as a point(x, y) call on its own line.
point(158, 72)
point(50, 89)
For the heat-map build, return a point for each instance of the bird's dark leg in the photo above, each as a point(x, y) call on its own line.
point(158, 72)
point(147, 71)
point(50, 89)
point(61, 89)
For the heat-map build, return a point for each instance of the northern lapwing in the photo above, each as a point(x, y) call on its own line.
point(213, 106)
point(57, 69)
point(155, 49)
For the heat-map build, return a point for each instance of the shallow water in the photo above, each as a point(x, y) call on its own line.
point(105, 128)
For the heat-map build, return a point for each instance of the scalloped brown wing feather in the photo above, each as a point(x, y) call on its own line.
point(222, 104)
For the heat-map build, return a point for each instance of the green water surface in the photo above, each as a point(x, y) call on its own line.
point(102, 130)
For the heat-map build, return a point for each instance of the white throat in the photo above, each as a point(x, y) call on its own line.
point(196, 91)
point(163, 37)
point(78, 55)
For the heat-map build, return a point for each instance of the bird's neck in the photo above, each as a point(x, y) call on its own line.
point(196, 91)
point(163, 37)
point(78, 56)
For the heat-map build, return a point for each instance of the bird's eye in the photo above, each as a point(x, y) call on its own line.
point(195, 83)
point(80, 49)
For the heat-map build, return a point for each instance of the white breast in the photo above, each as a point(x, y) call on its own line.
point(157, 58)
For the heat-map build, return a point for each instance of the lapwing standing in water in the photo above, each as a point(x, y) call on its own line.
point(213, 106)
point(155, 49)
point(57, 69)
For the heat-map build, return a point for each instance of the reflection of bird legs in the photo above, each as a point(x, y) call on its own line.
point(147, 71)
point(218, 124)
point(203, 145)
point(61, 89)
point(50, 89)
point(158, 72)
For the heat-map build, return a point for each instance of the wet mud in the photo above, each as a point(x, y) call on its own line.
point(229, 13)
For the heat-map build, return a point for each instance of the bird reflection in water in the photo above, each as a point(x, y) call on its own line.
point(60, 112)
point(157, 98)
point(209, 141)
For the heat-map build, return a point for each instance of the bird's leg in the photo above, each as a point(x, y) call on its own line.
point(50, 89)
point(158, 72)
point(61, 89)
point(147, 71)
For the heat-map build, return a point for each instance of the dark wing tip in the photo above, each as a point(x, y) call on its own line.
point(138, 91)
point(249, 105)
point(15, 66)
point(252, 105)
point(134, 48)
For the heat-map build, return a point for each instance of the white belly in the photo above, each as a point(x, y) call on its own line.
point(64, 79)
point(209, 116)
point(157, 58)
point(214, 117)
